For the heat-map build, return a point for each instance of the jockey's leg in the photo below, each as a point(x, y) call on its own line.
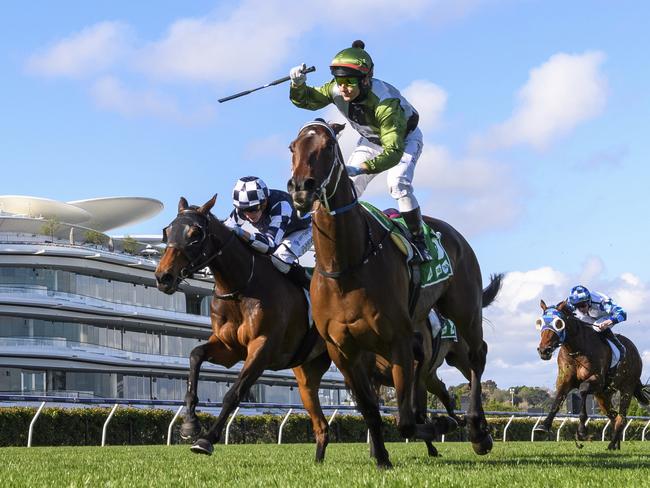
point(364, 151)
point(610, 336)
point(285, 258)
point(400, 184)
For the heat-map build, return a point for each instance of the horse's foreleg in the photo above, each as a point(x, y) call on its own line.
point(585, 388)
point(563, 387)
point(191, 426)
point(358, 381)
point(605, 403)
point(258, 358)
point(308, 377)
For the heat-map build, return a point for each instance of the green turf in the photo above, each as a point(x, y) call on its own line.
point(511, 464)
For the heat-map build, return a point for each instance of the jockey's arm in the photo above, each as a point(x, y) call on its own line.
point(309, 97)
point(615, 313)
point(392, 134)
point(267, 242)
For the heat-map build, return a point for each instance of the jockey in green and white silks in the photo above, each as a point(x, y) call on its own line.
point(387, 122)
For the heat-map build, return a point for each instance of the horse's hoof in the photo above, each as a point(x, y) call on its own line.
point(202, 446)
point(542, 429)
point(484, 446)
point(448, 424)
point(386, 464)
point(425, 432)
point(190, 429)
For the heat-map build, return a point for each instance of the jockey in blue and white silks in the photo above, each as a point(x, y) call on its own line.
point(266, 221)
point(599, 310)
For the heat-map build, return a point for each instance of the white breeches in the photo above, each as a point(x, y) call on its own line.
point(399, 177)
point(292, 247)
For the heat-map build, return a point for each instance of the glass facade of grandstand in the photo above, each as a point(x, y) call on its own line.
point(88, 322)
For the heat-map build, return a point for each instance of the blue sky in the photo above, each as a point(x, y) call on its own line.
point(534, 116)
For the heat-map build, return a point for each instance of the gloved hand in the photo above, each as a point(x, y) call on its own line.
point(297, 76)
point(354, 171)
point(605, 324)
point(241, 233)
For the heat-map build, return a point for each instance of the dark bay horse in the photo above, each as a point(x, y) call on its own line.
point(583, 361)
point(257, 316)
point(360, 295)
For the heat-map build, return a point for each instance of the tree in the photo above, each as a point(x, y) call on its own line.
point(51, 227)
point(95, 237)
point(129, 245)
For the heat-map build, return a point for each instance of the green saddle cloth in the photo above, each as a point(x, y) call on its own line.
point(432, 272)
point(448, 330)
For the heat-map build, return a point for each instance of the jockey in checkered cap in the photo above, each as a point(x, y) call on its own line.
point(388, 124)
point(266, 221)
point(600, 311)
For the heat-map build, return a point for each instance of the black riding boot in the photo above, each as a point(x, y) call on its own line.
point(610, 336)
point(298, 275)
point(413, 220)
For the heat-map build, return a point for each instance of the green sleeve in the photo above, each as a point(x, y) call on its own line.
point(309, 97)
point(392, 132)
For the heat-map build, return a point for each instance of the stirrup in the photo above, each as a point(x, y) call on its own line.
point(421, 254)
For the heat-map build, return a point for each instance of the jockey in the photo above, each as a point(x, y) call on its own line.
point(390, 139)
point(599, 310)
point(266, 221)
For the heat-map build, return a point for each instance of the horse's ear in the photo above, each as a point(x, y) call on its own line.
point(207, 206)
point(337, 127)
point(182, 204)
point(542, 304)
point(561, 306)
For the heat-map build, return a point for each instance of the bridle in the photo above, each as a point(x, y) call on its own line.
point(206, 253)
point(337, 167)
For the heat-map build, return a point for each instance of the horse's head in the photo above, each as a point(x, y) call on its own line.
point(315, 164)
point(552, 325)
point(189, 245)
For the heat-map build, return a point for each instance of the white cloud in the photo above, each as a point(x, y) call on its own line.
point(429, 100)
point(563, 92)
point(94, 49)
point(111, 94)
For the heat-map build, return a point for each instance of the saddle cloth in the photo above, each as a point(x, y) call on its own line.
point(616, 356)
point(430, 273)
point(442, 325)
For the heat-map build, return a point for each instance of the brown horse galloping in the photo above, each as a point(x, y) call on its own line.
point(583, 361)
point(257, 315)
point(360, 290)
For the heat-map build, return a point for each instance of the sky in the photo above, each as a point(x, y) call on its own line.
point(534, 116)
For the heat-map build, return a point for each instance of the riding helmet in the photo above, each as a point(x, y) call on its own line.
point(249, 191)
point(353, 61)
point(579, 294)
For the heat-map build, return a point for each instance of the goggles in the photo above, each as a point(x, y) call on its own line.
point(347, 80)
point(251, 209)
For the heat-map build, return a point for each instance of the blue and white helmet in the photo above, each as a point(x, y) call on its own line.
point(579, 294)
point(249, 191)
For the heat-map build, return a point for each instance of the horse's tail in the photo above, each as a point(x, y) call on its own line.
point(490, 292)
point(642, 393)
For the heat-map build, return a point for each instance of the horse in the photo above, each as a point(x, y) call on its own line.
point(583, 362)
point(257, 317)
point(360, 298)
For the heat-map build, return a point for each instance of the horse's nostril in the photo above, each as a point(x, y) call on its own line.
point(309, 184)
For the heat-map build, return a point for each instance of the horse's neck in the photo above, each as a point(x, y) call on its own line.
point(233, 266)
point(580, 339)
point(339, 240)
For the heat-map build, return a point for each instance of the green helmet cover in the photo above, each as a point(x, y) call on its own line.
point(352, 61)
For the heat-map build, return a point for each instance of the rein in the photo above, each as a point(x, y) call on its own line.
point(235, 295)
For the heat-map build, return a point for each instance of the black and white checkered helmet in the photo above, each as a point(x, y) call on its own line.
point(249, 191)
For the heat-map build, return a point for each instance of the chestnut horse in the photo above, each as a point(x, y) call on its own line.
point(583, 361)
point(360, 297)
point(257, 317)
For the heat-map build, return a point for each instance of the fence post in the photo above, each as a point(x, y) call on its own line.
point(368, 437)
point(31, 424)
point(625, 429)
point(609, 421)
point(329, 422)
point(171, 424)
point(505, 430)
point(284, 421)
point(559, 429)
point(532, 432)
point(644, 429)
point(232, 417)
point(105, 428)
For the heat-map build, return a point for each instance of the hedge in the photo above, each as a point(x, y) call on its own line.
point(83, 427)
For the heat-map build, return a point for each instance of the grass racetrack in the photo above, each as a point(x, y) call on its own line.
point(510, 464)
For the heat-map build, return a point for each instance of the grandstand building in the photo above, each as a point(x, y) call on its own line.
point(80, 314)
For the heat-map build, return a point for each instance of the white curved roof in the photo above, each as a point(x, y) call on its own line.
point(112, 212)
point(101, 214)
point(43, 207)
